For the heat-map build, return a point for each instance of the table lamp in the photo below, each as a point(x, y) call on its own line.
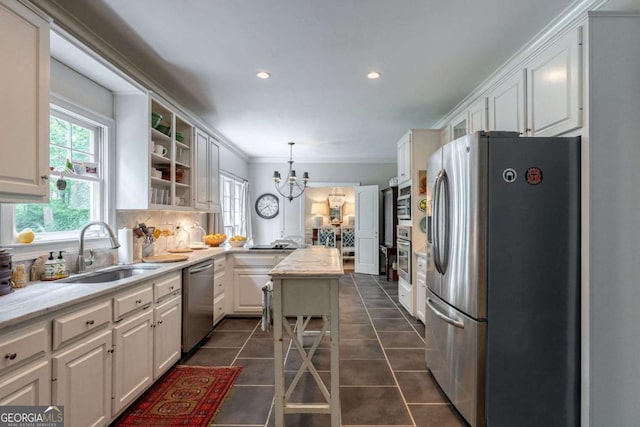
point(318, 209)
point(350, 212)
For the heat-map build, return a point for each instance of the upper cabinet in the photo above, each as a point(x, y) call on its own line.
point(207, 189)
point(154, 155)
point(404, 158)
point(478, 116)
point(542, 99)
point(554, 82)
point(24, 110)
point(506, 104)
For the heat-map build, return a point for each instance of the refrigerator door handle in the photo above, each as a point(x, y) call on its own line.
point(444, 182)
point(453, 322)
point(435, 223)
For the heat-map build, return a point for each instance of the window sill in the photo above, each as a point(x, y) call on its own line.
point(29, 251)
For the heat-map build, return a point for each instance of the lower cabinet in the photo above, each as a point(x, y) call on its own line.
point(30, 385)
point(250, 274)
point(421, 288)
point(81, 378)
point(405, 295)
point(133, 358)
point(166, 335)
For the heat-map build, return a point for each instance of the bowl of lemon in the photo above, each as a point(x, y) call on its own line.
point(237, 241)
point(214, 239)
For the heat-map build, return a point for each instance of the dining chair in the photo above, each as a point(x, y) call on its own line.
point(348, 249)
point(327, 236)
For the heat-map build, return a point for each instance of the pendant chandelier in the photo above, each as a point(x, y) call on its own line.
point(291, 188)
point(336, 197)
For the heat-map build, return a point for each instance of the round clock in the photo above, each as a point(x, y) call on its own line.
point(268, 206)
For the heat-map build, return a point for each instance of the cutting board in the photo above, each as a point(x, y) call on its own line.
point(165, 258)
point(179, 250)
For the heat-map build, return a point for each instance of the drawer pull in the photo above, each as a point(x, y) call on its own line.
point(170, 288)
point(10, 356)
point(138, 301)
point(90, 322)
point(159, 322)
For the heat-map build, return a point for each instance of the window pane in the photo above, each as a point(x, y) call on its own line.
point(58, 131)
point(81, 157)
point(81, 139)
point(58, 157)
point(67, 210)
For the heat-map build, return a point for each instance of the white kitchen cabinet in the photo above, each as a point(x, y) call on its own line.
point(133, 358)
point(445, 134)
point(478, 116)
point(506, 104)
point(405, 295)
point(207, 190)
point(28, 386)
point(166, 334)
point(250, 274)
point(421, 287)
point(155, 172)
point(24, 110)
point(404, 159)
point(219, 307)
point(460, 125)
point(82, 381)
point(554, 87)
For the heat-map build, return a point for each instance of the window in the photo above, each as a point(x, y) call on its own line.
point(76, 184)
point(233, 208)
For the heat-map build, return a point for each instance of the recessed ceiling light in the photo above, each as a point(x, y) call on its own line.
point(263, 75)
point(374, 75)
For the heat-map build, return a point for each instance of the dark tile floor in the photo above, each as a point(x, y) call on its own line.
point(383, 377)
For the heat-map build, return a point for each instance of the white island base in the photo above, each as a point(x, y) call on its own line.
point(305, 284)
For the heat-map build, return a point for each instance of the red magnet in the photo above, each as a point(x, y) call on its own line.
point(533, 176)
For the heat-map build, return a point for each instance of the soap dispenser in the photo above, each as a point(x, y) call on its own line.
point(49, 268)
point(61, 267)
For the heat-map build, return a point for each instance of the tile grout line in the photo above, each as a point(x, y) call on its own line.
point(398, 308)
point(375, 330)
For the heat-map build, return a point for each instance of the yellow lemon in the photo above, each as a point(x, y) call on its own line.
point(26, 236)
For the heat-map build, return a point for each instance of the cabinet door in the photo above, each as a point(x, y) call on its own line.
point(202, 170)
point(247, 286)
point(404, 159)
point(421, 297)
point(82, 381)
point(506, 105)
point(478, 116)
point(24, 110)
point(459, 126)
point(554, 95)
point(133, 359)
point(445, 134)
point(213, 176)
point(166, 335)
point(28, 386)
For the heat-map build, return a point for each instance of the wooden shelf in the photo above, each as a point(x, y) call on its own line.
point(182, 165)
point(182, 145)
point(156, 135)
point(181, 185)
point(160, 181)
point(158, 159)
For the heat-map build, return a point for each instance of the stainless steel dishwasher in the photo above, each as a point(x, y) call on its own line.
point(197, 303)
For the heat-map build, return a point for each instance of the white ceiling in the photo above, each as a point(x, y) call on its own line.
point(205, 53)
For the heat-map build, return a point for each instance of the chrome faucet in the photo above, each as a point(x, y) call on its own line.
point(82, 263)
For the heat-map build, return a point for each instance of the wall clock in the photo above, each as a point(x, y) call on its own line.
point(268, 206)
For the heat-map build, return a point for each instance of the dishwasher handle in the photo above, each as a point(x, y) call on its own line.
point(199, 269)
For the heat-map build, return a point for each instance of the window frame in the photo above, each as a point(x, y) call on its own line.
point(237, 182)
point(105, 151)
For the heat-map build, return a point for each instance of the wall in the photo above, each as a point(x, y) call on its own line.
point(290, 220)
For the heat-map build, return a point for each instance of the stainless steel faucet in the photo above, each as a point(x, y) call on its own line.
point(82, 263)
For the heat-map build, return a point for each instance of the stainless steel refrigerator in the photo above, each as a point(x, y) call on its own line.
point(503, 277)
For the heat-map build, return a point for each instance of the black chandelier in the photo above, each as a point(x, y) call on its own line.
point(295, 189)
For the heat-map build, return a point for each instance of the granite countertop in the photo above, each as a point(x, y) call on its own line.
point(40, 298)
point(313, 261)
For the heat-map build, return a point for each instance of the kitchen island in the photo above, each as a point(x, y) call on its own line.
point(305, 285)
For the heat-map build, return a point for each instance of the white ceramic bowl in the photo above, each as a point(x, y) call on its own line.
point(237, 243)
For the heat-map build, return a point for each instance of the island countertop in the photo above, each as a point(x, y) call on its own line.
point(315, 261)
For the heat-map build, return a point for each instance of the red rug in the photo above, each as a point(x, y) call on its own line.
point(186, 396)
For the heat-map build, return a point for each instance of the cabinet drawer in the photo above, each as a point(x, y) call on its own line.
point(167, 285)
point(422, 264)
point(66, 328)
point(218, 284)
point(219, 264)
point(22, 345)
point(130, 301)
point(219, 308)
point(422, 278)
point(245, 260)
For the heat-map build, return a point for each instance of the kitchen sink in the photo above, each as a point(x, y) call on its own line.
point(110, 275)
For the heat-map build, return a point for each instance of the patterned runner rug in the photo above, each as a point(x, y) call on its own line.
point(186, 396)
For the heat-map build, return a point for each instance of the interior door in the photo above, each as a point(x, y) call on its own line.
point(367, 225)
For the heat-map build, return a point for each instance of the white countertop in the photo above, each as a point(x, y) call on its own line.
point(315, 261)
point(40, 298)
